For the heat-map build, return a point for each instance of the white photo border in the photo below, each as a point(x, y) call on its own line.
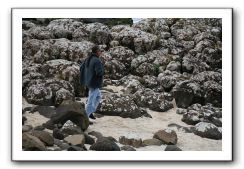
point(227, 136)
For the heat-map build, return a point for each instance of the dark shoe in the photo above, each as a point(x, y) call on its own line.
point(92, 116)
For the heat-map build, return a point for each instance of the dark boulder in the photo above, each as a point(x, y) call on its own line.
point(104, 144)
point(208, 130)
point(69, 110)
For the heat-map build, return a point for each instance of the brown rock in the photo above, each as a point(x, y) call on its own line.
point(168, 136)
point(32, 143)
point(133, 142)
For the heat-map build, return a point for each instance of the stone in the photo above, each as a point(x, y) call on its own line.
point(69, 110)
point(32, 143)
point(191, 117)
point(75, 148)
point(44, 136)
point(120, 105)
point(46, 111)
point(89, 139)
point(208, 130)
point(127, 148)
point(130, 141)
point(154, 141)
point(172, 148)
point(167, 136)
point(24, 119)
point(181, 111)
point(58, 134)
point(26, 128)
point(187, 93)
point(153, 100)
point(135, 39)
point(104, 145)
point(74, 140)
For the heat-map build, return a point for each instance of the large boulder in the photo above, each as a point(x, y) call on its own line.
point(63, 28)
point(187, 93)
point(135, 39)
point(40, 32)
point(157, 26)
point(152, 100)
point(168, 79)
point(43, 92)
point(69, 110)
point(208, 130)
point(123, 106)
point(122, 54)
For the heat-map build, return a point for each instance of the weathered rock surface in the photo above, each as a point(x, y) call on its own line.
point(167, 136)
point(69, 110)
point(208, 130)
point(32, 143)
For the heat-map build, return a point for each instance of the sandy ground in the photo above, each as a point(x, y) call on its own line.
point(143, 128)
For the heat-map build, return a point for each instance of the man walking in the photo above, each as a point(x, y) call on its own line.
point(92, 77)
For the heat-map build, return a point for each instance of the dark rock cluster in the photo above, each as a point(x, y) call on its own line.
point(157, 61)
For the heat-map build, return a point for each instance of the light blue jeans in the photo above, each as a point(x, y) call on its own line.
point(93, 101)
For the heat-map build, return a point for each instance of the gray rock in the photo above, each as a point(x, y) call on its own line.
point(32, 143)
point(181, 111)
point(172, 148)
point(208, 130)
point(63, 28)
point(69, 110)
point(167, 136)
point(187, 93)
point(46, 111)
point(127, 148)
point(136, 39)
point(154, 141)
point(57, 134)
point(89, 139)
point(123, 106)
point(74, 140)
point(75, 148)
point(152, 100)
point(104, 145)
point(44, 136)
point(26, 128)
point(191, 117)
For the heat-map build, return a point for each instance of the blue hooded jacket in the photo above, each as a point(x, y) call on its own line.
point(91, 72)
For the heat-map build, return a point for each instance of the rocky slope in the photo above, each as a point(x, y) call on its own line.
point(154, 69)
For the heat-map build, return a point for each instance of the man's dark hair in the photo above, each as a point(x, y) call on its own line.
point(95, 49)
